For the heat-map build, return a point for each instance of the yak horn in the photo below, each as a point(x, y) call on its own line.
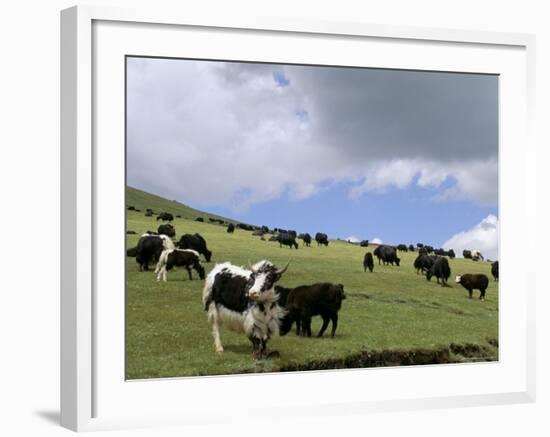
point(280, 272)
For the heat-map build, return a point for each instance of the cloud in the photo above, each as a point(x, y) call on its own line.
point(353, 239)
point(476, 180)
point(483, 237)
point(237, 134)
point(376, 241)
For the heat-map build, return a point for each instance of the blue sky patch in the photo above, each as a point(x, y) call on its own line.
point(280, 79)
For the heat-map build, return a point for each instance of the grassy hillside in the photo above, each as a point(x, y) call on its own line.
point(143, 200)
point(390, 317)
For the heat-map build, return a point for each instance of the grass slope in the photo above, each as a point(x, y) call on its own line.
point(143, 200)
point(391, 316)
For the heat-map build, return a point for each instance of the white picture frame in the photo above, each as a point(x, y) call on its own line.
point(92, 389)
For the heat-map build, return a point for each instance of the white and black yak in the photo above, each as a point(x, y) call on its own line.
point(244, 300)
point(171, 258)
point(149, 249)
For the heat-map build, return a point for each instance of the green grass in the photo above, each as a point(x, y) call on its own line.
point(143, 200)
point(390, 312)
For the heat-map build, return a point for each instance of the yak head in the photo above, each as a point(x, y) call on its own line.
point(262, 279)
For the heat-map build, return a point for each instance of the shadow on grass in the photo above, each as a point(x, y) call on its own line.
point(238, 348)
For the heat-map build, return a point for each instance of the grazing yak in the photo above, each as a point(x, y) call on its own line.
point(474, 281)
point(149, 214)
point(387, 254)
point(287, 240)
point(199, 219)
point(418, 264)
point(443, 252)
point(322, 239)
point(195, 242)
point(424, 262)
point(440, 269)
point(258, 233)
point(364, 243)
point(368, 262)
point(304, 302)
point(150, 247)
point(494, 270)
point(167, 230)
point(476, 255)
point(402, 247)
point(245, 227)
point(411, 248)
point(274, 238)
point(171, 258)
point(467, 254)
point(244, 300)
point(131, 208)
point(131, 232)
point(230, 228)
point(306, 239)
point(419, 245)
point(165, 217)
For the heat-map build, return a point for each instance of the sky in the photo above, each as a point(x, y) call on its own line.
point(387, 155)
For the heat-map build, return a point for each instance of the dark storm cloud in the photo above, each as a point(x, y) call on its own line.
point(403, 114)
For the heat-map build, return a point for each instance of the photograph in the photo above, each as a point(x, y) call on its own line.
point(292, 217)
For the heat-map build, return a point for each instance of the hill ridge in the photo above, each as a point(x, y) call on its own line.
point(142, 200)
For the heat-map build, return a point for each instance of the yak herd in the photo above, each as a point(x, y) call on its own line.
point(249, 300)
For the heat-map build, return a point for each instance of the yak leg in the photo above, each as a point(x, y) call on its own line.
point(258, 347)
point(326, 319)
point(334, 323)
point(214, 321)
point(482, 294)
point(189, 271)
point(298, 326)
point(470, 294)
point(158, 271)
point(306, 326)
